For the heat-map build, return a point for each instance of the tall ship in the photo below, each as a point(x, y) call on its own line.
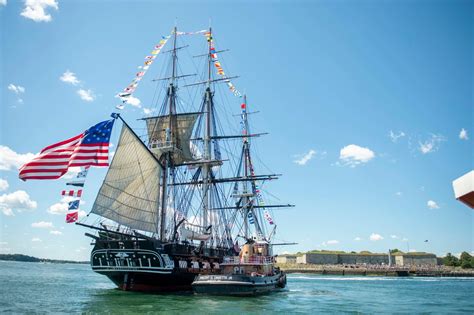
point(178, 199)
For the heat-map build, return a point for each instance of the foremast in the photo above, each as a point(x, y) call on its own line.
point(167, 162)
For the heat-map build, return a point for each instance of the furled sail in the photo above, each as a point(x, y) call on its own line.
point(130, 192)
point(162, 141)
point(192, 235)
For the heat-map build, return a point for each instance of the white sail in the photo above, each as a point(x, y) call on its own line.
point(161, 142)
point(130, 192)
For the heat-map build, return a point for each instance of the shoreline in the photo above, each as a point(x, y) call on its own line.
point(438, 271)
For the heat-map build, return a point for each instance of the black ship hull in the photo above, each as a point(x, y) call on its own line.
point(147, 265)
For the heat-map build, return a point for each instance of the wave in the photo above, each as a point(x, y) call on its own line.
point(345, 278)
point(379, 278)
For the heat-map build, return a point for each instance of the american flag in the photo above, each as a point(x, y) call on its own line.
point(90, 148)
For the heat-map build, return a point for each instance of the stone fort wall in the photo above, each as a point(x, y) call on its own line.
point(334, 259)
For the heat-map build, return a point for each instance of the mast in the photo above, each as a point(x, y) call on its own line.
point(206, 169)
point(245, 192)
point(170, 137)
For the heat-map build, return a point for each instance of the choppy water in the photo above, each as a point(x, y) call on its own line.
point(68, 288)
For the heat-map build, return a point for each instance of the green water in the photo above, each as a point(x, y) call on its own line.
point(68, 288)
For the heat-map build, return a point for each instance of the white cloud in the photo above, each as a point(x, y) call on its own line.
point(431, 145)
point(82, 248)
point(36, 239)
point(3, 2)
point(42, 225)
point(86, 95)
point(18, 200)
point(354, 155)
point(133, 101)
point(56, 232)
point(394, 136)
point(332, 242)
point(305, 158)
point(463, 134)
point(72, 172)
point(3, 184)
point(36, 10)
point(10, 159)
point(60, 207)
point(394, 236)
point(147, 111)
point(405, 239)
point(357, 239)
point(399, 193)
point(16, 88)
point(69, 77)
point(375, 237)
point(432, 204)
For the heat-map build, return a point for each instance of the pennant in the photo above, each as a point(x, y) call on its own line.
point(73, 205)
point(267, 216)
point(83, 173)
point(72, 217)
point(124, 94)
point(72, 193)
point(217, 64)
point(78, 183)
point(149, 59)
point(250, 217)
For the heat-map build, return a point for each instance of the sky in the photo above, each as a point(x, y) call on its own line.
point(368, 106)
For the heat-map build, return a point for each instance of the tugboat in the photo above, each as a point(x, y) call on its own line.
point(251, 273)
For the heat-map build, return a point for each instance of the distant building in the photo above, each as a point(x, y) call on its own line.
point(342, 258)
point(286, 259)
point(464, 189)
point(398, 259)
point(415, 259)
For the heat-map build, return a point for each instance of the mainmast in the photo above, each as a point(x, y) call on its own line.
point(170, 141)
point(246, 194)
point(206, 169)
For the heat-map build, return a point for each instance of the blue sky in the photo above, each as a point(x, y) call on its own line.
point(364, 102)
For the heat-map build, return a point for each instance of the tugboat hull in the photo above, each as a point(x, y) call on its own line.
point(238, 285)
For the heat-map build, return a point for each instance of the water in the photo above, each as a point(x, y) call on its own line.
point(69, 288)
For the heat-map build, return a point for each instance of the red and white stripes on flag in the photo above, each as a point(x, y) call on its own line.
point(90, 148)
point(72, 193)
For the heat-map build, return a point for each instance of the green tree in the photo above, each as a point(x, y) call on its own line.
point(466, 260)
point(451, 260)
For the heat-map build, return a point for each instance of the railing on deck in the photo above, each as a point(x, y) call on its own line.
point(252, 260)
